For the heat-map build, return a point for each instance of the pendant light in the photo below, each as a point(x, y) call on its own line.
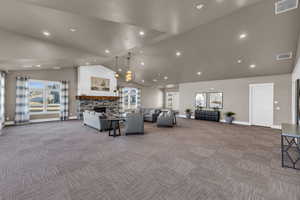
point(117, 75)
point(129, 73)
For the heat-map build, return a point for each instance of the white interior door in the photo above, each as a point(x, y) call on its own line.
point(261, 104)
point(176, 101)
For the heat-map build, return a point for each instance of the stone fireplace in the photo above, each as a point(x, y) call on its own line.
point(99, 100)
point(107, 104)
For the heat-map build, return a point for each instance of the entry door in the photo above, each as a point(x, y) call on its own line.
point(176, 101)
point(261, 104)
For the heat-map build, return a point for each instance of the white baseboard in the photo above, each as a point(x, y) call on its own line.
point(238, 122)
point(8, 123)
point(183, 116)
point(44, 120)
point(276, 127)
point(73, 117)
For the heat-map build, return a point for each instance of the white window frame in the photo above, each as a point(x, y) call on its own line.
point(129, 106)
point(45, 95)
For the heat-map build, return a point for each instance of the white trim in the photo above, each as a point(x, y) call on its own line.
point(44, 91)
point(44, 120)
point(276, 127)
point(73, 117)
point(251, 86)
point(237, 122)
point(44, 113)
point(184, 116)
point(286, 10)
point(8, 123)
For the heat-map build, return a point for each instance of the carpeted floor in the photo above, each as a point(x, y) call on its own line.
point(196, 160)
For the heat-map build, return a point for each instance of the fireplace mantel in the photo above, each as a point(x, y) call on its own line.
point(98, 98)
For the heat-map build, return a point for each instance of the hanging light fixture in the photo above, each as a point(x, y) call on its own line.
point(129, 74)
point(117, 75)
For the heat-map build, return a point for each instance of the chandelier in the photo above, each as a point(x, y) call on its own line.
point(129, 74)
point(117, 75)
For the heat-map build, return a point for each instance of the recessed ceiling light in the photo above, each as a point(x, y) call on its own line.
point(239, 61)
point(170, 86)
point(252, 66)
point(38, 65)
point(87, 63)
point(107, 51)
point(27, 66)
point(200, 6)
point(243, 36)
point(212, 88)
point(199, 73)
point(154, 80)
point(178, 53)
point(119, 69)
point(56, 67)
point(166, 78)
point(46, 33)
point(143, 81)
point(142, 33)
point(73, 29)
point(142, 63)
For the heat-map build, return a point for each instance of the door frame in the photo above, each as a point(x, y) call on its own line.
point(251, 86)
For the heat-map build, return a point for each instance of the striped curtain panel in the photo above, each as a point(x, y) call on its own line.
point(22, 100)
point(139, 98)
point(64, 100)
point(2, 97)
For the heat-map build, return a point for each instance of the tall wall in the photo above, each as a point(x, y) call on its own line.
point(295, 76)
point(85, 73)
point(69, 74)
point(151, 97)
point(236, 95)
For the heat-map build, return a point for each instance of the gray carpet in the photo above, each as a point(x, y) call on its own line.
point(196, 160)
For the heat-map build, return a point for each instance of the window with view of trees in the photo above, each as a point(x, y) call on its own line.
point(44, 96)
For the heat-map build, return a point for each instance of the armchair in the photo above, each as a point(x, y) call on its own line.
point(134, 124)
point(167, 118)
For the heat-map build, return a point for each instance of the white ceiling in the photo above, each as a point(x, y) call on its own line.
point(207, 38)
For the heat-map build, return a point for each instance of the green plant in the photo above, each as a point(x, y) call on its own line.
point(229, 114)
point(215, 108)
point(200, 107)
point(188, 110)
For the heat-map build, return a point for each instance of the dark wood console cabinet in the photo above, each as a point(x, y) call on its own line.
point(207, 115)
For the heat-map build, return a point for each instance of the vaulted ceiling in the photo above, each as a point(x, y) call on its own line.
point(95, 31)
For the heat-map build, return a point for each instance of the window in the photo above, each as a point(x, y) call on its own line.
point(172, 100)
point(130, 98)
point(44, 97)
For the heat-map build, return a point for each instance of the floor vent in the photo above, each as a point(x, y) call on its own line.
point(282, 6)
point(284, 56)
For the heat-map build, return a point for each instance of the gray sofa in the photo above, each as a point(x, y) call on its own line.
point(95, 120)
point(167, 118)
point(134, 124)
point(150, 114)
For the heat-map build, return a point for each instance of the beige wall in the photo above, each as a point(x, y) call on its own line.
point(295, 76)
point(151, 97)
point(69, 74)
point(236, 95)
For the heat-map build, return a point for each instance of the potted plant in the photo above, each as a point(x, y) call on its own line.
point(200, 107)
point(188, 113)
point(229, 117)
